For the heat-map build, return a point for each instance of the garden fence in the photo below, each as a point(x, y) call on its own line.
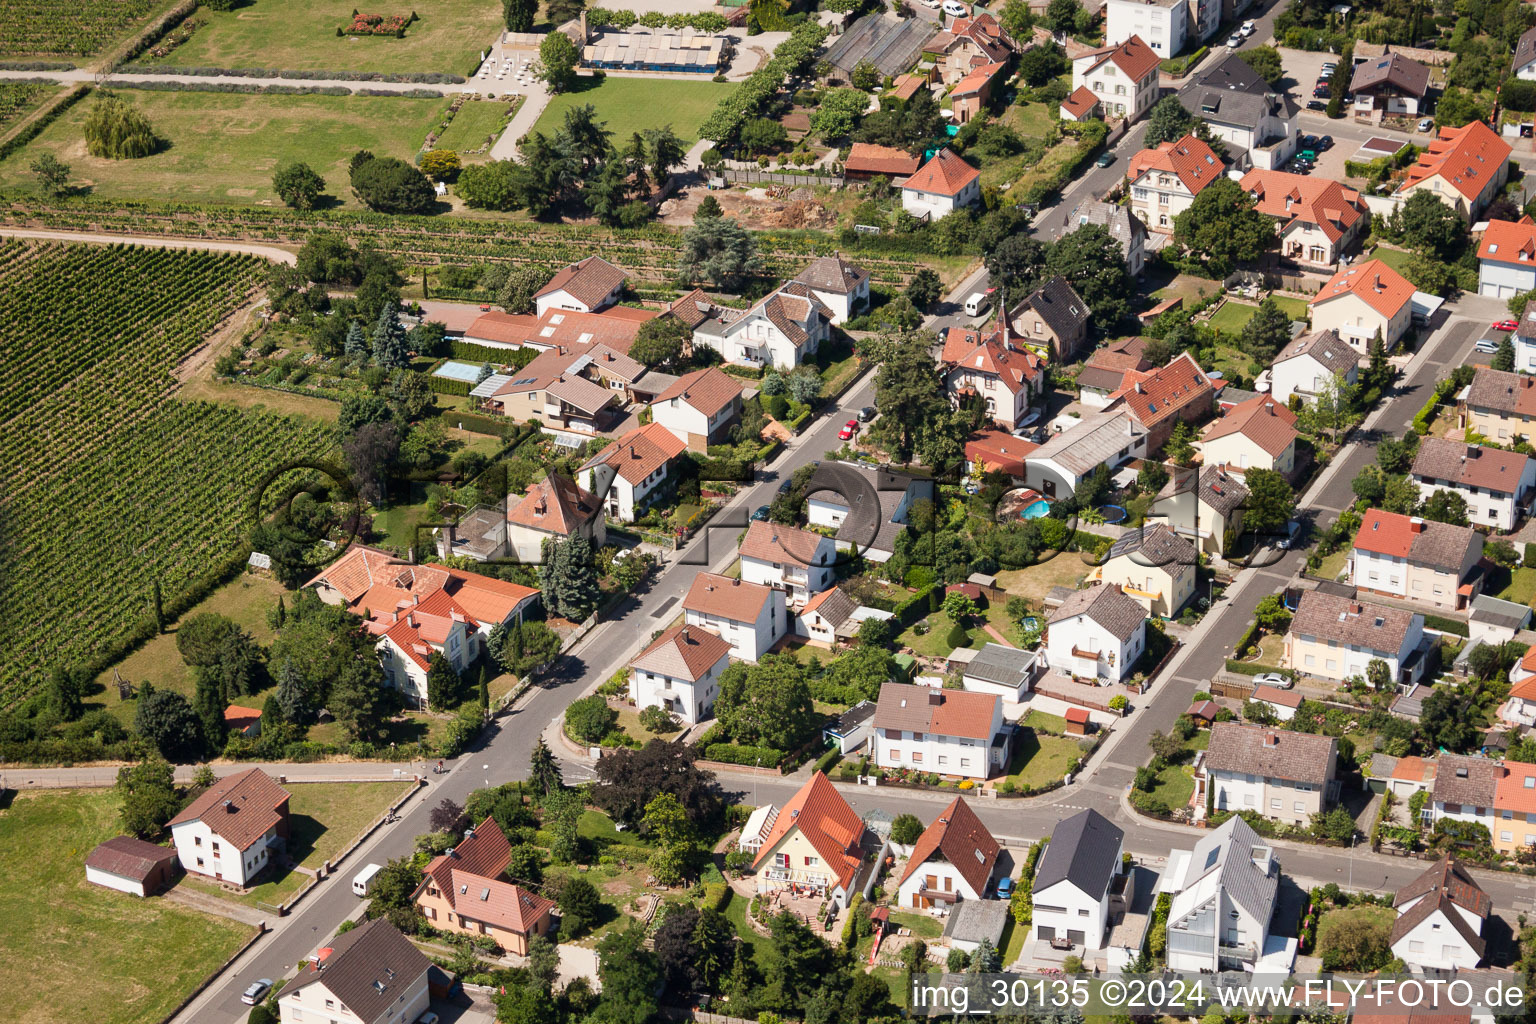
point(753, 176)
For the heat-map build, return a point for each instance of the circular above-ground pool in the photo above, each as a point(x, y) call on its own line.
point(1112, 513)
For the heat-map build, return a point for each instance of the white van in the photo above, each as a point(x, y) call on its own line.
point(364, 880)
point(977, 304)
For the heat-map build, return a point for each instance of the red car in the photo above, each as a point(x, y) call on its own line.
point(849, 429)
point(1505, 325)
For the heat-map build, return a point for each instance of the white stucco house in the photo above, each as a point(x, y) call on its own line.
point(866, 506)
point(953, 860)
point(782, 329)
point(234, 830)
point(369, 975)
point(1440, 919)
point(680, 672)
point(1308, 364)
point(583, 287)
point(1280, 774)
point(1361, 301)
point(1080, 881)
point(949, 732)
point(749, 616)
point(1097, 634)
point(941, 186)
point(1496, 484)
point(1224, 893)
point(1164, 24)
point(630, 473)
point(1506, 258)
point(700, 408)
point(798, 562)
point(842, 287)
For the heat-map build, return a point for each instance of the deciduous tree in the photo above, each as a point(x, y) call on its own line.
point(1222, 225)
point(165, 718)
point(1271, 502)
point(557, 62)
point(298, 185)
point(52, 174)
point(148, 792)
point(627, 780)
point(721, 251)
point(1168, 122)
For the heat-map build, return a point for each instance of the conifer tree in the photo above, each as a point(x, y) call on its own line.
point(159, 607)
point(389, 349)
point(357, 342)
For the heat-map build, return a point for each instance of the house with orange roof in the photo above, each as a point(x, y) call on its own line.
point(1415, 559)
point(1080, 105)
point(867, 160)
point(798, 562)
point(1159, 398)
point(410, 636)
point(1122, 78)
point(1519, 709)
point(680, 672)
point(998, 451)
point(953, 860)
point(373, 583)
point(1318, 219)
point(969, 43)
point(1164, 181)
point(700, 408)
point(941, 186)
point(1362, 301)
point(750, 616)
point(242, 721)
point(816, 844)
point(555, 508)
point(1007, 379)
point(630, 473)
point(1257, 434)
point(1465, 168)
point(1514, 808)
point(583, 287)
point(233, 830)
point(949, 732)
point(972, 93)
point(1506, 258)
point(782, 329)
point(464, 891)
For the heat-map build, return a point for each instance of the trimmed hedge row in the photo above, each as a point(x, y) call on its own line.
point(917, 606)
point(792, 57)
point(35, 129)
point(36, 65)
point(1446, 625)
point(734, 753)
point(1248, 668)
point(468, 350)
point(416, 77)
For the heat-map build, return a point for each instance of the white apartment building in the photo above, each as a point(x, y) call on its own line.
point(1414, 559)
point(798, 562)
point(680, 672)
point(1284, 775)
point(749, 616)
point(1164, 24)
point(950, 732)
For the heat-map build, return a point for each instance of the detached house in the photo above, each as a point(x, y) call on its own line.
point(842, 287)
point(1415, 559)
point(1052, 320)
point(1104, 370)
point(234, 830)
point(552, 389)
point(1519, 710)
point(1154, 566)
point(798, 562)
point(1288, 776)
point(1362, 301)
point(866, 506)
point(1204, 505)
point(583, 287)
point(1224, 893)
point(1006, 378)
point(1318, 220)
point(1080, 881)
point(1307, 364)
point(555, 508)
point(953, 860)
point(1160, 398)
point(1440, 919)
point(1164, 181)
point(973, 93)
point(968, 44)
point(1465, 168)
point(951, 732)
point(629, 474)
point(1097, 634)
point(1506, 259)
point(1256, 121)
point(1500, 405)
point(680, 672)
point(1391, 84)
point(1496, 484)
point(700, 408)
point(1524, 63)
point(1122, 78)
point(1123, 226)
point(1336, 638)
point(1110, 438)
point(1257, 434)
point(782, 329)
point(464, 892)
point(944, 184)
point(816, 842)
point(1466, 789)
point(751, 617)
point(370, 975)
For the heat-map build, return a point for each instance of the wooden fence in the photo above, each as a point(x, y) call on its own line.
point(754, 176)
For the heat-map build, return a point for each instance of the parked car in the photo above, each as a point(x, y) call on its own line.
point(867, 413)
point(934, 4)
point(428, 1017)
point(1029, 417)
point(1325, 143)
point(1316, 105)
point(956, 9)
point(1292, 532)
point(1273, 679)
point(1235, 40)
point(760, 514)
point(1248, 29)
point(1004, 888)
point(1306, 142)
point(849, 429)
point(1105, 159)
point(1505, 325)
point(1426, 124)
point(785, 485)
point(1487, 346)
point(256, 992)
point(1322, 89)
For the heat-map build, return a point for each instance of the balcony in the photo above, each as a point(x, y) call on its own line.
point(1245, 952)
point(1151, 595)
point(1078, 652)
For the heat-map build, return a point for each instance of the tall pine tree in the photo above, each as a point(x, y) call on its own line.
point(485, 686)
point(577, 579)
point(293, 694)
point(543, 771)
point(357, 342)
point(208, 702)
point(389, 349)
point(442, 683)
point(159, 607)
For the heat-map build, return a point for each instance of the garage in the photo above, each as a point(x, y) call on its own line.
point(131, 865)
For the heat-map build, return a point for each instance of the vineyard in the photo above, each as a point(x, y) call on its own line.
point(113, 482)
point(70, 28)
point(17, 98)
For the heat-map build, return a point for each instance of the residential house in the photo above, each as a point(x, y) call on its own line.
point(242, 721)
point(1519, 709)
point(1104, 371)
point(944, 184)
point(1006, 672)
point(615, 370)
point(1256, 121)
point(583, 287)
point(816, 842)
point(1466, 789)
point(464, 891)
point(1388, 85)
point(1336, 638)
point(1097, 634)
point(750, 616)
point(972, 94)
point(951, 732)
point(1514, 807)
point(1122, 77)
point(832, 616)
point(700, 408)
point(867, 161)
point(553, 390)
point(630, 473)
point(234, 829)
point(1123, 226)
point(1257, 434)
point(1110, 437)
point(1309, 364)
point(1205, 505)
point(1500, 406)
point(1160, 398)
point(1154, 566)
point(1440, 919)
point(1465, 168)
point(1496, 484)
point(1506, 259)
point(1415, 559)
point(998, 451)
point(1007, 379)
point(842, 287)
point(1051, 320)
point(1524, 63)
point(969, 43)
point(1524, 339)
point(1491, 620)
point(1318, 220)
point(1282, 703)
point(578, 333)
point(1360, 302)
point(131, 865)
point(1079, 880)
point(851, 729)
point(867, 506)
point(371, 975)
point(1081, 104)
point(1224, 893)
point(782, 329)
point(1284, 775)
point(1165, 180)
point(1164, 24)
point(680, 672)
point(798, 562)
point(953, 860)
point(555, 509)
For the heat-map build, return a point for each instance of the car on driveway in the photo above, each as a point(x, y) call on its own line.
point(955, 9)
point(1105, 159)
point(1273, 679)
point(760, 514)
point(849, 429)
point(1426, 124)
point(1325, 143)
point(1487, 346)
point(256, 992)
point(1505, 325)
point(1004, 888)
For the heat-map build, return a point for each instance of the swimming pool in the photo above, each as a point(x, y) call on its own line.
point(1038, 510)
point(467, 372)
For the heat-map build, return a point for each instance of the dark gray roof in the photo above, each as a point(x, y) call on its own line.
point(1244, 864)
point(1233, 93)
point(1006, 666)
point(1394, 71)
point(1109, 606)
point(1382, 765)
point(1058, 304)
point(1499, 613)
point(1525, 49)
point(891, 44)
point(1325, 347)
point(1222, 492)
point(368, 969)
point(1084, 850)
point(854, 717)
point(1124, 226)
point(1156, 545)
point(871, 497)
point(974, 920)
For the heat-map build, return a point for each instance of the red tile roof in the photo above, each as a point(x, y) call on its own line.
point(1152, 397)
point(1517, 789)
point(128, 857)
point(640, 452)
point(420, 629)
point(1383, 289)
point(1133, 57)
point(775, 542)
point(945, 174)
point(486, 853)
point(239, 808)
point(959, 837)
point(1194, 163)
point(375, 583)
point(821, 814)
point(1467, 158)
point(1262, 420)
point(867, 158)
point(1298, 198)
point(999, 450)
point(977, 80)
point(616, 327)
point(241, 718)
point(684, 652)
point(588, 281)
point(709, 390)
point(555, 504)
point(1080, 103)
point(1509, 241)
point(497, 903)
point(726, 598)
point(1015, 368)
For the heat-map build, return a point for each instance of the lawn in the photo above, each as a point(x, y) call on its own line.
point(1065, 570)
point(45, 28)
point(1381, 917)
point(1175, 785)
point(1232, 315)
point(300, 35)
point(1521, 588)
point(75, 951)
point(1333, 565)
point(1394, 258)
point(631, 105)
point(923, 926)
point(223, 147)
point(629, 721)
point(1040, 758)
point(736, 913)
point(477, 123)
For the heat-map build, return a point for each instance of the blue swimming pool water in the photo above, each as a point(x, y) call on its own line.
point(458, 371)
point(1038, 510)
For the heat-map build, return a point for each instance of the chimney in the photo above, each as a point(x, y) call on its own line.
point(1271, 739)
point(1416, 525)
point(229, 807)
point(469, 833)
point(1355, 609)
point(1138, 387)
point(1474, 451)
point(935, 697)
point(451, 853)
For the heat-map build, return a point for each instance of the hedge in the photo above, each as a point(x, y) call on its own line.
point(716, 896)
point(734, 753)
point(478, 424)
point(1446, 625)
point(917, 606)
point(792, 57)
point(469, 351)
point(413, 77)
point(1248, 668)
point(827, 761)
point(33, 130)
point(449, 386)
point(1250, 635)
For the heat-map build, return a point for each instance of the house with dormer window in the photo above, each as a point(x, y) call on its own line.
point(1496, 484)
point(1164, 181)
point(1506, 258)
point(628, 474)
point(1318, 220)
point(1440, 919)
point(1362, 301)
point(953, 860)
point(1333, 637)
point(465, 891)
point(369, 975)
point(1123, 79)
point(1008, 379)
point(798, 562)
point(782, 329)
point(1255, 120)
point(1465, 168)
point(816, 843)
point(1051, 320)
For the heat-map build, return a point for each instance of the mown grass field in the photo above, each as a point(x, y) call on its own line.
point(634, 104)
point(73, 951)
point(300, 35)
point(223, 147)
point(476, 121)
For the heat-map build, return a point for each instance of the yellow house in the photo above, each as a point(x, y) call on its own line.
point(1514, 809)
point(815, 847)
point(1257, 434)
point(463, 892)
point(1501, 406)
point(1154, 566)
point(1362, 300)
